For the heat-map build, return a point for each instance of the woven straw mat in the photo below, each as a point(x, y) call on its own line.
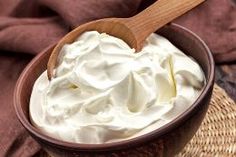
point(216, 136)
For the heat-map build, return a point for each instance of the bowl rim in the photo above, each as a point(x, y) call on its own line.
point(120, 144)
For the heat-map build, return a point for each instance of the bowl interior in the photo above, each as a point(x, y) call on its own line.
point(179, 36)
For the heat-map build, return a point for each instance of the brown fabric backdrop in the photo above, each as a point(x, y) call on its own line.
point(28, 26)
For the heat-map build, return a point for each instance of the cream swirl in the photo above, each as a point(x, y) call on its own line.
point(103, 91)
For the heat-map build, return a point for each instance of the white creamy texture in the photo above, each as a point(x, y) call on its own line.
point(103, 91)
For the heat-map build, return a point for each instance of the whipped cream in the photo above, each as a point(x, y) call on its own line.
point(104, 92)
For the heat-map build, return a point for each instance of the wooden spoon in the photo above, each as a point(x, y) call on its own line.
point(134, 30)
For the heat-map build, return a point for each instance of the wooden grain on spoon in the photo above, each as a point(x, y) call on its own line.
point(134, 30)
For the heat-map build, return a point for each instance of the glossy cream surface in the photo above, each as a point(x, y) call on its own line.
point(103, 91)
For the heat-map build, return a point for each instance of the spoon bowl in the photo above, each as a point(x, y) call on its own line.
point(134, 30)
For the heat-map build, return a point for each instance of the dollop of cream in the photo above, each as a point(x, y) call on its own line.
point(104, 92)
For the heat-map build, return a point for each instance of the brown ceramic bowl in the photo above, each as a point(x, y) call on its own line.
point(165, 141)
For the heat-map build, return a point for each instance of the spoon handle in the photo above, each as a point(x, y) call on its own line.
point(157, 15)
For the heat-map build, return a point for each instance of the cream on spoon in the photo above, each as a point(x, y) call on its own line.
point(134, 30)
